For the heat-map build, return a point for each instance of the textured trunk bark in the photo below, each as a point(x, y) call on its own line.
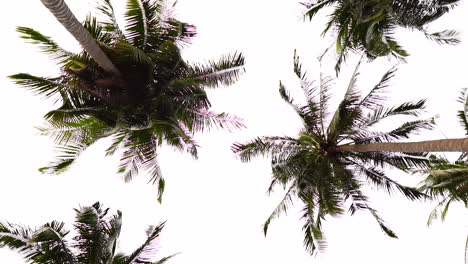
point(63, 14)
point(441, 145)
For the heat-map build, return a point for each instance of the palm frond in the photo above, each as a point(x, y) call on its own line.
point(444, 37)
point(380, 180)
point(204, 119)
point(16, 237)
point(313, 8)
point(97, 31)
point(133, 54)
point(264, 146)
point(281, 208)
point(110, 26)
point(463, 113)
point(374, 98)
point(310, 114)
point(47, 87)
point(314, 238)
point(402, 132)
point(348, 111)
point(141, 17)
point(68, 154)
point(145, 253)
point(45, 43)
point(113, 232)
point(55, 249)
point(381, 223)
point(224, 71)
point(91, 226)
point(382, 112)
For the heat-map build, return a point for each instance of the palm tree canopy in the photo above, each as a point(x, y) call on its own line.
point(96, 240)
point(325, 180)
point(447, 181)
point(368, 25)
point(158, 97)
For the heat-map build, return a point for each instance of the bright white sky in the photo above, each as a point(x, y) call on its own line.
point(215, 206)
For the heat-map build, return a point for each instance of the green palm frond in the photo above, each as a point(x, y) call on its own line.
point(264, 146)
point(375, 98)
point(91, 239)
point(51, 239)
point(201, 120)
point(139, 150)
point(315, 7)
point(463, 113)
point(444, 37)
point(382, 112)
point(378, 178)
point(47, 87)
point(110, 25)
point(45, 43)
point(282, 207)
point(144, 254)
point(224, 71)
point(404, 131)
point(68, 155)
point(133, 54)
point(310, 114)
point(142, 16)
point(16, 237)
point(96, 30)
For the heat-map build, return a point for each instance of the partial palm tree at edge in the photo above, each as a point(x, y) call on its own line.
point(368, 26)
point(447, 182)
point(96, 240)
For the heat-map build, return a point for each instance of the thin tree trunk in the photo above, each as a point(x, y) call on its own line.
point(441, 145)
point(63, 14)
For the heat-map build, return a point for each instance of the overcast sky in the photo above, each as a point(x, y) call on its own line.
point(215, 206)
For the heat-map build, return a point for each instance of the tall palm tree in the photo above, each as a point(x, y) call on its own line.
point(96, 240)
point(326, 166)
point(157, 98)
point(368, 25)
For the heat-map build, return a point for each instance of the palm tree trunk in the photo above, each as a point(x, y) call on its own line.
point(63, 14)
point(441, 145)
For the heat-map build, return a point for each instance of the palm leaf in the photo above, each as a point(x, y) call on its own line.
point(314, 8)
point(110, 26)
point(224, 71)
point(91, 239)
point(141, 17)
point(444, 37)
point(281, 208)
point(45, 43)
point(145, 253)
point(47, 87)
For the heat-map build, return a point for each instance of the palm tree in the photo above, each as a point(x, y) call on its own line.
point(157, 97)
point(96, 240)
point(368, 25)
point(326, 166)
point(448, 182)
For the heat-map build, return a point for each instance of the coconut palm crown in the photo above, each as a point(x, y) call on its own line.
point(156, 98)
point(368, 25)
point(324, 178)
point(96, 240)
